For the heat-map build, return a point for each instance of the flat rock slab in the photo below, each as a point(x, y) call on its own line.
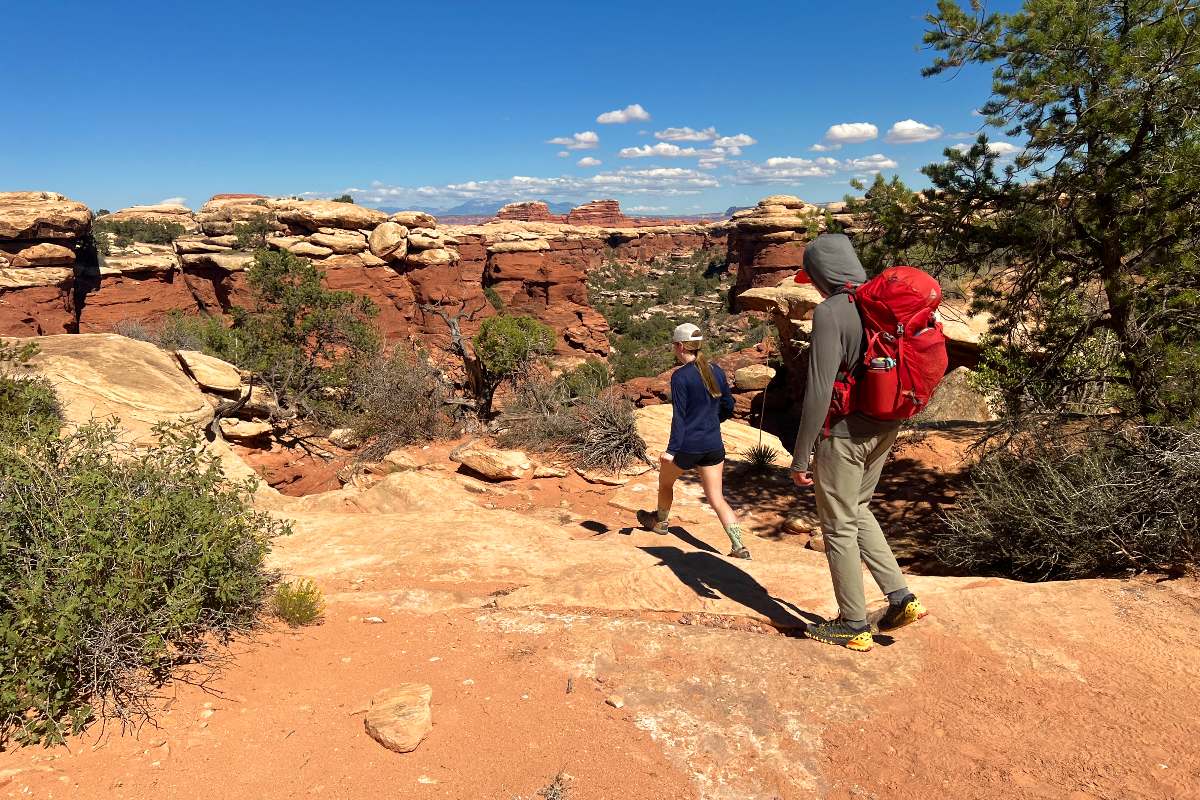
point(400, 718)
point(211, 373)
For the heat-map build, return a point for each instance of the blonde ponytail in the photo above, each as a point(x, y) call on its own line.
point(706, 373)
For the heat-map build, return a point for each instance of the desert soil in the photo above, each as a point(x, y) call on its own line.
point(527, 605)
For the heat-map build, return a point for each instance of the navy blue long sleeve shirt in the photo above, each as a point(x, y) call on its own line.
point(697, 415)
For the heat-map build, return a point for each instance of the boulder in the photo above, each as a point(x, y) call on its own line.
point(439, 257)
point(48, 255)
point(340, 242)
point(535, 211)
point(309, 250)
point(42, 215)
point(413, 219)
point(316, 214)
point(106, 376)
point(957, 400)
point(400, 718)
point(211, 373)
point(493, 464)
point(424, 239)
point(389, 240)
point(753, 378)
point(243, 429)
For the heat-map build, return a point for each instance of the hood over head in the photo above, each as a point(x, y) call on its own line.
point(831, 263)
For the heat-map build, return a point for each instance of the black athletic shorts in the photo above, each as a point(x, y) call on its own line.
point(690, 460)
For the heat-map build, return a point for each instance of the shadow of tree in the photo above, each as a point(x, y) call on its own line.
point(711, 576)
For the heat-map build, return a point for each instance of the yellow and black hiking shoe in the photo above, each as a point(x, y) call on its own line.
point(906, 612)
point(649, 521)
point(841, 633)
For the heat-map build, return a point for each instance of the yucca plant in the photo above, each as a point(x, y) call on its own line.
point(761, 457)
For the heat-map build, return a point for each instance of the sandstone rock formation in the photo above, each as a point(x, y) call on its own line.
point(41, 234)
point(493, 464)
point(599, 213)
point(766, 243)
point(534, 211)
point(167, 213)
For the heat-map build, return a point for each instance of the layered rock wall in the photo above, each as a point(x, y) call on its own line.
point(42, 235)
point(406, 263)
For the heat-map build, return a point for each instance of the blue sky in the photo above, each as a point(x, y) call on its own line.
point(431, 104)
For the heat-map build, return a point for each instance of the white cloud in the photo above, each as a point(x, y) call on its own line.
point(173, 201)
point(655, 182)
point(588, 161)
point(740, 140)
point(1001, 149)
point(825, 148)
point(664, 149)
point(909, 131)
point(564, 153)
point(871, 163)
point(644, 209)
point(686, 135)
point(627, 114)
point(792, 169)
point(851, 133)
point(585, 140)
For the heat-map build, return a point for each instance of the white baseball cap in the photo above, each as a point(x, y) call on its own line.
point(687, 332)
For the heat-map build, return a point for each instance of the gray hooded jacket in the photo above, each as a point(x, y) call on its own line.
point(837, 341)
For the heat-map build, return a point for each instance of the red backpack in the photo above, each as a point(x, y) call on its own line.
point(905, 356)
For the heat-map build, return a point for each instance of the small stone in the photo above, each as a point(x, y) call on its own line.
point(373, 620)
point(615, 700)
point(468, 682)
point(545, 471)
point(400, 718)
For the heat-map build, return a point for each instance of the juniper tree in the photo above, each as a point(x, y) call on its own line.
point(1088, 236)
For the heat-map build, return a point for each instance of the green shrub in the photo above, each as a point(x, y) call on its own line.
point(252, 234)
point(28, 404)
point(1055, 505)
point(506, 347)
point(298, 603)
point(119, 564)
point(303, 340)
point(396, 400)
point(761, 458)
point(494, 298)
point(586, 380)
point(125, 232)
point(343, 198)
point(180, 331)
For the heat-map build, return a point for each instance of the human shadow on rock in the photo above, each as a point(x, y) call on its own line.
point(712, 577)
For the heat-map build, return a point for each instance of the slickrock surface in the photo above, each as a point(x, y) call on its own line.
point(527, 607)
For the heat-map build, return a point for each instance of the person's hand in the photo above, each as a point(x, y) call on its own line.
point(801, 479)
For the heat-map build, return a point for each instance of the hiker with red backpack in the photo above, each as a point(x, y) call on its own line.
point(876, 354)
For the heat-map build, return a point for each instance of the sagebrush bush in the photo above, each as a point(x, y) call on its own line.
point(575, 416)
point(184, 332)
point(396, 400)
point(298, 603)
point(608, 438)
point(1099, 503)
point(118, 565)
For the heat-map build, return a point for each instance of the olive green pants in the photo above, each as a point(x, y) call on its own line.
point(845, 473)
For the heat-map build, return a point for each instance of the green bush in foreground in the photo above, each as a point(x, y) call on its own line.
point(507, 346)
point(117, 565)
point(298, 603)
point(1095, 504)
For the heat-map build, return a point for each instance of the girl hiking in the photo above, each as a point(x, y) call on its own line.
point(700, 401)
